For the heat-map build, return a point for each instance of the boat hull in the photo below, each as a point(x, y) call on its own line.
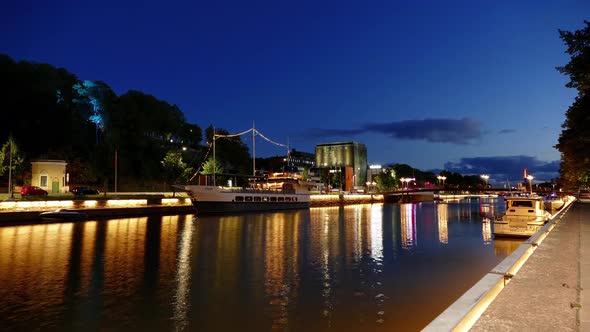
point(506, 230)
point(55, 216)
point(218, 200)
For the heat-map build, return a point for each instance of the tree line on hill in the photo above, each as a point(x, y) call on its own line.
point(51, 114)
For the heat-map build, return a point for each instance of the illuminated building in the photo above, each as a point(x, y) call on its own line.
point(50, 175)
point(348, 159)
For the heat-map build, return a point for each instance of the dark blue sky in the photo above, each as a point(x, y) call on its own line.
point(468, 86)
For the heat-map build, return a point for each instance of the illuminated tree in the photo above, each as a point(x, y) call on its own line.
point(208, 167)
point(91, 97)
point(174, 169)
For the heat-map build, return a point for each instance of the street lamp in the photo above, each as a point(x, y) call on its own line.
point(530, 178)
point(442, 178)
point(485, 178)
point(407, 180)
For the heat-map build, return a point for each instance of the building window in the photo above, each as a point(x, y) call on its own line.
point(43, 181)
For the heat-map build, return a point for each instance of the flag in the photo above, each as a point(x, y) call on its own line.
point(115, 159)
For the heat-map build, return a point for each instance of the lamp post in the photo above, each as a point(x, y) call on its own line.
point(407, 180)
point(530, 178)
point(441, 179)
point(485, 178)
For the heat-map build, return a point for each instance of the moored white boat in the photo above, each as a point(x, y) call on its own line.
point(278, 191)
point(282, 192)
point(63, 215)
point(555, 203)
point(524, 217)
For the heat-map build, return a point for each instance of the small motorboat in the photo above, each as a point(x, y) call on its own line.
point(524, 217)
point(554, 203)
point(63, 215)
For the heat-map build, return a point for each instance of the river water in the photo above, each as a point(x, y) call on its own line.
point(373, 267)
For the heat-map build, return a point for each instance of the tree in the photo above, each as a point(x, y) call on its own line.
point(11, 161)
point(208, 167)
point(574, 140)
point(174, 169)
point(386, 180)
point(91, 97)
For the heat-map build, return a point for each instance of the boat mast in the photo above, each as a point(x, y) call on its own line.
point(253, 149)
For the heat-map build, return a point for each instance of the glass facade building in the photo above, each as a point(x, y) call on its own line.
point(349, 158)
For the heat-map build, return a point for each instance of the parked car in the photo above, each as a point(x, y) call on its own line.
point(29, 190)
point(80, 191)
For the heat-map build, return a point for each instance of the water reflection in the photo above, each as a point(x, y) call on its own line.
point(361, 267)
point(486, 230)
point(408, 225)
point(506, 246)
point(376, 231)
point(443, 219)
point(181, 302)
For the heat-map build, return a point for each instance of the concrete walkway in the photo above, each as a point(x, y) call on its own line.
point(551, 292)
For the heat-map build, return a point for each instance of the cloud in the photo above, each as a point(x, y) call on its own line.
point(504, 168)
point(507, 131)
point(462, 131)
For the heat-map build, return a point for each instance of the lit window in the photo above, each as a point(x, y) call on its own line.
point(43, 181)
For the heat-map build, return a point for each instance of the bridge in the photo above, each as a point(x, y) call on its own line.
point(429, 194)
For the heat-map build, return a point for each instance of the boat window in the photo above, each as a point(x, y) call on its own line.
point(522, 203)
point(288, 199)
point(264, 199)
point(281, 199)
point(273, 199)
point(248, 198)
point(239, 198)
point(257, 199)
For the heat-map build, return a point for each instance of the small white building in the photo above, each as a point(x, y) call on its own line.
point(50, 175)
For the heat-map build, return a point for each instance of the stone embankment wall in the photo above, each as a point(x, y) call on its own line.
point(343, 199)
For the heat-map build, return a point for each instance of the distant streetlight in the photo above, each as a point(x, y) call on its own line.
point(407, 180)
point(442, 178)
point(485, 178)
point(530, 178)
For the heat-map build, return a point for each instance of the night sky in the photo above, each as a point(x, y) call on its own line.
point(466, 86)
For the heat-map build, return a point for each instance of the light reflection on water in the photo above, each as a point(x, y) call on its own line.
point(358, 267)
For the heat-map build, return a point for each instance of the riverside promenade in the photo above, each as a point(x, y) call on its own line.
point(551, 292)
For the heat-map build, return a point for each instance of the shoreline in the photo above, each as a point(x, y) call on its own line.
point(21, 212)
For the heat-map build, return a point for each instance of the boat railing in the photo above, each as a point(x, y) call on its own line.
point(243, 190)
